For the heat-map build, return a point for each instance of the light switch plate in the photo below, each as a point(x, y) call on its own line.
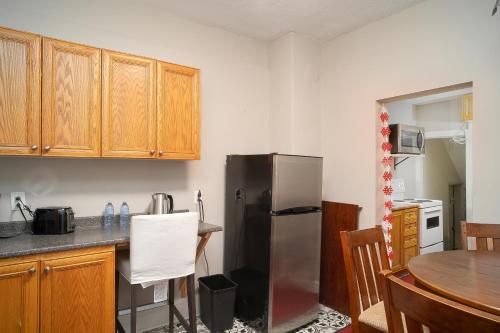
point(13, 201)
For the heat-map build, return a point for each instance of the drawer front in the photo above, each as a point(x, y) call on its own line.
point(410, 241)
point(410, 217)
point(410, 229)
point(409, 253)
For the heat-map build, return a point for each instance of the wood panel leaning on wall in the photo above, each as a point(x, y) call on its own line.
point(333, 284)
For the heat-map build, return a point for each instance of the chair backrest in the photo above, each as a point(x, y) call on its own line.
point(365, 255)
point(482, 232)
point(422, 308)
point(162, 246)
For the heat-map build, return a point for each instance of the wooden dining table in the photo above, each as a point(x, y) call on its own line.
point(468, 277)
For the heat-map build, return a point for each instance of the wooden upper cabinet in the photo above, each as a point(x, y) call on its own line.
point(129, 108)
point(19, 93)
point(71, 97)
point(19, 297)
point(178, 112)
point(77, 294)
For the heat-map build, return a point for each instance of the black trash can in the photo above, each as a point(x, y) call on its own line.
point(217, 297)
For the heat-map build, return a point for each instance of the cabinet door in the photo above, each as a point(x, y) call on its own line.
point(397, 221)
point(129, 109)
point(178, 112)
point(71, 110)
point(19, 93)
point(19, 297)
point(77, 294)
point(409, 253)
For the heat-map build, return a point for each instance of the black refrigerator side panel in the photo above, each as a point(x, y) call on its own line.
point(247, 231)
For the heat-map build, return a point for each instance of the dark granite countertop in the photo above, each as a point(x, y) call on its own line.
point(88, 234)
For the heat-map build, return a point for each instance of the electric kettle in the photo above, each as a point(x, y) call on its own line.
point(162, 203)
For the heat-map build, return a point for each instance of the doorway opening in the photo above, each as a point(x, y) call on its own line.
point(425, 142)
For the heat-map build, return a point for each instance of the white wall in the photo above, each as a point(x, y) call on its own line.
point(281, 91)
point(433, 44)
point(295, 112)
point(234, 110)
point(440, 116)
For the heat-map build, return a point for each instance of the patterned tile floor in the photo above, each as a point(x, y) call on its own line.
point(329, 321)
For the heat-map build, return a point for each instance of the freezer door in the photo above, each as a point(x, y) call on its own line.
point(296, 182)
point(294, 271)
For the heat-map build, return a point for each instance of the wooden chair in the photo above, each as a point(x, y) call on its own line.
point(481, 232)
point(424, 311)
point(365, 256)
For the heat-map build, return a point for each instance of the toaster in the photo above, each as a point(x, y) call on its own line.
point(53, 221)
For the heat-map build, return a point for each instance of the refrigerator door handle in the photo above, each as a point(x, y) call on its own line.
point(296, 210)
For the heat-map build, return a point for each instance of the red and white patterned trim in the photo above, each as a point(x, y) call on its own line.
point(387, 161)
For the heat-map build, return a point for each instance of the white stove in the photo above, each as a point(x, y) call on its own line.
point(422, 203)
point(430, 222)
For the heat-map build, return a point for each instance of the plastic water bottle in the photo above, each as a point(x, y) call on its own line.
point(109, 214)
point(124, 215)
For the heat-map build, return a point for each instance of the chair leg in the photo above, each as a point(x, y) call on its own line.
point(192, 304)
point(133, 308)
point(171, 296)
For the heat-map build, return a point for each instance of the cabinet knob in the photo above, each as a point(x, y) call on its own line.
point(47, 148)
point(34, 147)
point(32, 270)
point(47, 270)
point(161, 152)
point(152, 151)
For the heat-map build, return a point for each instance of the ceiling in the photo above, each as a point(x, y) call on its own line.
point(270, 19)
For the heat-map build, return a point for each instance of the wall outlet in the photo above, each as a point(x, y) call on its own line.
point(13, 199)
point(195, 197)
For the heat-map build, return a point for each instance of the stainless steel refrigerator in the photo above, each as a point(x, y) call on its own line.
point(272, 238)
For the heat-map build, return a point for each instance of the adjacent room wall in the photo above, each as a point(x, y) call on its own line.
point(234, 111)
point(440, 116)
point(433, 44)
point(438, 173)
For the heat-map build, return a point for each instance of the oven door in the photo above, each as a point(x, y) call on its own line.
point(431, 225)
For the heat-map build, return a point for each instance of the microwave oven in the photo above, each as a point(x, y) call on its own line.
point(407, 139)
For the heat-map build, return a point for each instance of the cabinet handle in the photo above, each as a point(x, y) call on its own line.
point(47, 270)
point(47, 148)
point(152, 151)
point(32, 270)
point(161, 152)
point(34, 147)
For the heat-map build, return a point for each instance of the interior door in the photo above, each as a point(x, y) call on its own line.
point(19, 93)
point(71, 111)
point(128, 106)
point(295, 270)
point(77, 294)
point(19, 298)
point(297, 181)
point(178, 112)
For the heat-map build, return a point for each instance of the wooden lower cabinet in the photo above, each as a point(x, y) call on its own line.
point(70, 291)
point(405, 238)
point(397, 263)
point(19, 297)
